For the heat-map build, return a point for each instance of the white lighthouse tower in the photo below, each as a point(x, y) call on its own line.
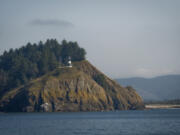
point(69, 62)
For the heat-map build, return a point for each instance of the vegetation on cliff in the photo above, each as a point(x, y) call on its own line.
point(19, 66)
point(34, 79)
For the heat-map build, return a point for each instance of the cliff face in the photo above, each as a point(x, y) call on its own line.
point(81, 88)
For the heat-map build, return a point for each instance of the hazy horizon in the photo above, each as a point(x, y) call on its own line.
point(123, 39)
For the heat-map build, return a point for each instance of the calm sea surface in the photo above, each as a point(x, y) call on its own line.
point(148, 122)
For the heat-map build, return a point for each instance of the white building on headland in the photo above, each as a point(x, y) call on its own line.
point(69, 62)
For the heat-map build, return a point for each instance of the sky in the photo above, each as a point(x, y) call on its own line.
point(123, 38)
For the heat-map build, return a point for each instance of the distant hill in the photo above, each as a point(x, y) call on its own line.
point(157, 88)
point(80, 88)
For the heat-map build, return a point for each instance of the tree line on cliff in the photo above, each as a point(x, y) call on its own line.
point(18, 66)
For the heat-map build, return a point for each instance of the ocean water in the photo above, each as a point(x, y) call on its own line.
point(147, 122)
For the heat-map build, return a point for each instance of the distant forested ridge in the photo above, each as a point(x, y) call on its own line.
point(159, 88)
point(18, 66)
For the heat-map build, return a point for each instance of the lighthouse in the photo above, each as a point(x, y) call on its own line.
point(69, 62)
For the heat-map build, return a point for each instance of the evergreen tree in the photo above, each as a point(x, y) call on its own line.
point(19, 66)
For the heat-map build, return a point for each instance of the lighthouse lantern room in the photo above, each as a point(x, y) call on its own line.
point(69, 62)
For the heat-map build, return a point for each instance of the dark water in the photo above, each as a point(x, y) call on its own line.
point(148, 122)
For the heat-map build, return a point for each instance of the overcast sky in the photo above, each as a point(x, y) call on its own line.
point(122, 38)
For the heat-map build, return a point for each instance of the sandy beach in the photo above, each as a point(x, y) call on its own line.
point(161, 106)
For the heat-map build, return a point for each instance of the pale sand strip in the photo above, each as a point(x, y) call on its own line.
point(160, 106)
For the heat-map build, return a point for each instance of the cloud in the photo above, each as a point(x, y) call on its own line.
point(146, 72)
point(51, 22)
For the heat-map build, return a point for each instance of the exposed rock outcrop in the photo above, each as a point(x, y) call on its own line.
point(80, 88)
